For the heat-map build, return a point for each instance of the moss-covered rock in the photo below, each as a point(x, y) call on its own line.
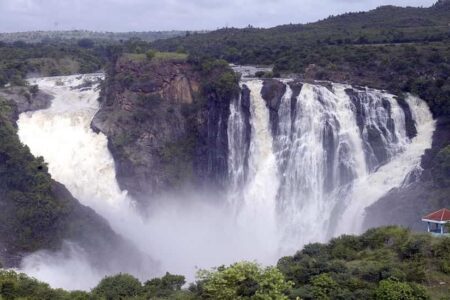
point(166, 122)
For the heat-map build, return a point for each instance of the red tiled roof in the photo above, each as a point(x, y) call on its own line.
point(440, 215)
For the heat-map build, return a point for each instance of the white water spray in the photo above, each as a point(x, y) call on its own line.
point(335, 156)
point(257, 213)
point(183, 235)
point(311, 181)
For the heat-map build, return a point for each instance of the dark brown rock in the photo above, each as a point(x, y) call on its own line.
point(272, 92)
point(163, 130)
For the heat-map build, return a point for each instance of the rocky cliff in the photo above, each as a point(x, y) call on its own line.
point(424, 193)
point(166, 123)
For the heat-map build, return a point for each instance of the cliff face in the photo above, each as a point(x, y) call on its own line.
point(166, 128)
point(429, 192)
point(38, 213)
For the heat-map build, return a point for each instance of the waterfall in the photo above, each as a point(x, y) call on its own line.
point(63, 131)
point(337, 150)
point(237, 151)
point(257, 213)
point(182, 233)
point(78, 158)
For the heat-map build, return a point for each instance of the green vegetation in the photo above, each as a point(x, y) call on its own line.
point(121, 286)
point(389, 263)
point(381, 263)
point(19, 60)
point(156, 56)
point(150, 54)
point(243, 281)
point(30, 213)
point(20, 286)
point(399, 49)
point(217, 76)
point(55, 36)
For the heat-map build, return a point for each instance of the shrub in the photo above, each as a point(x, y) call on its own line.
point(118, 287)
point(150, 54)
point(392, 289)
point(324, 287)
point(244, 280)
point(86, 43)
point(164, 286)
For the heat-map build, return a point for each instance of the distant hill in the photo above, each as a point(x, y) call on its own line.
point(386, 24)
point(39, 36)
point(393, 48)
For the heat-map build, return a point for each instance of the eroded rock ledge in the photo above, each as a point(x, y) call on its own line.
point(166, 124)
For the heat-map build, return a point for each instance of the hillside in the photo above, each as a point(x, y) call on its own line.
point(390, 48)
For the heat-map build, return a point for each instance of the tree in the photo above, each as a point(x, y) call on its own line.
point(392, 289)
point(118, 287)
point(164, 286)
point(150, 54)
point(324, 287)
point(244, 280)
point(86, 43)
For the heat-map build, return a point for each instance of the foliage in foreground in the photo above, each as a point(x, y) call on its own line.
point(389, 263)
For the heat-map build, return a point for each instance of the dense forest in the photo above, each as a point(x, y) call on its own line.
point(387, 263)
point(393, 48)
point(74, 35)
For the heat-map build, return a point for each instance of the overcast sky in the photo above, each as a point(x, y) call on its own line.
point(143, 15)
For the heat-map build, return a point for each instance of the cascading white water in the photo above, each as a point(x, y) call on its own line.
point(324, 139)
point(257, 213)
point(367, 190)
point(64, 131)
point(335, 156)
point(336, 151)
point(78, 158)
point(236, 157)
point(183, 235)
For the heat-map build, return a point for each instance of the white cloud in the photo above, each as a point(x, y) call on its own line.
point(139, 15)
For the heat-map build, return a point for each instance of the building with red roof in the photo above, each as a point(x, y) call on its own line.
point(436, 220)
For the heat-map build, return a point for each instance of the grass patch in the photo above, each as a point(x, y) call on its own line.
point(158, 57)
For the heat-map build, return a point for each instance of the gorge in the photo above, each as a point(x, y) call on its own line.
point(286, 163)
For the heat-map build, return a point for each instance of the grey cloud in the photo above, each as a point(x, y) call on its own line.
point(139, 15)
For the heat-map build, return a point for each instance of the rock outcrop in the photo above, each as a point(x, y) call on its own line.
point(166, 126)
point(24, 100)
point(272, 92)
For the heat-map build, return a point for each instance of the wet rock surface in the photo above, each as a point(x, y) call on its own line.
point(163, 130)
